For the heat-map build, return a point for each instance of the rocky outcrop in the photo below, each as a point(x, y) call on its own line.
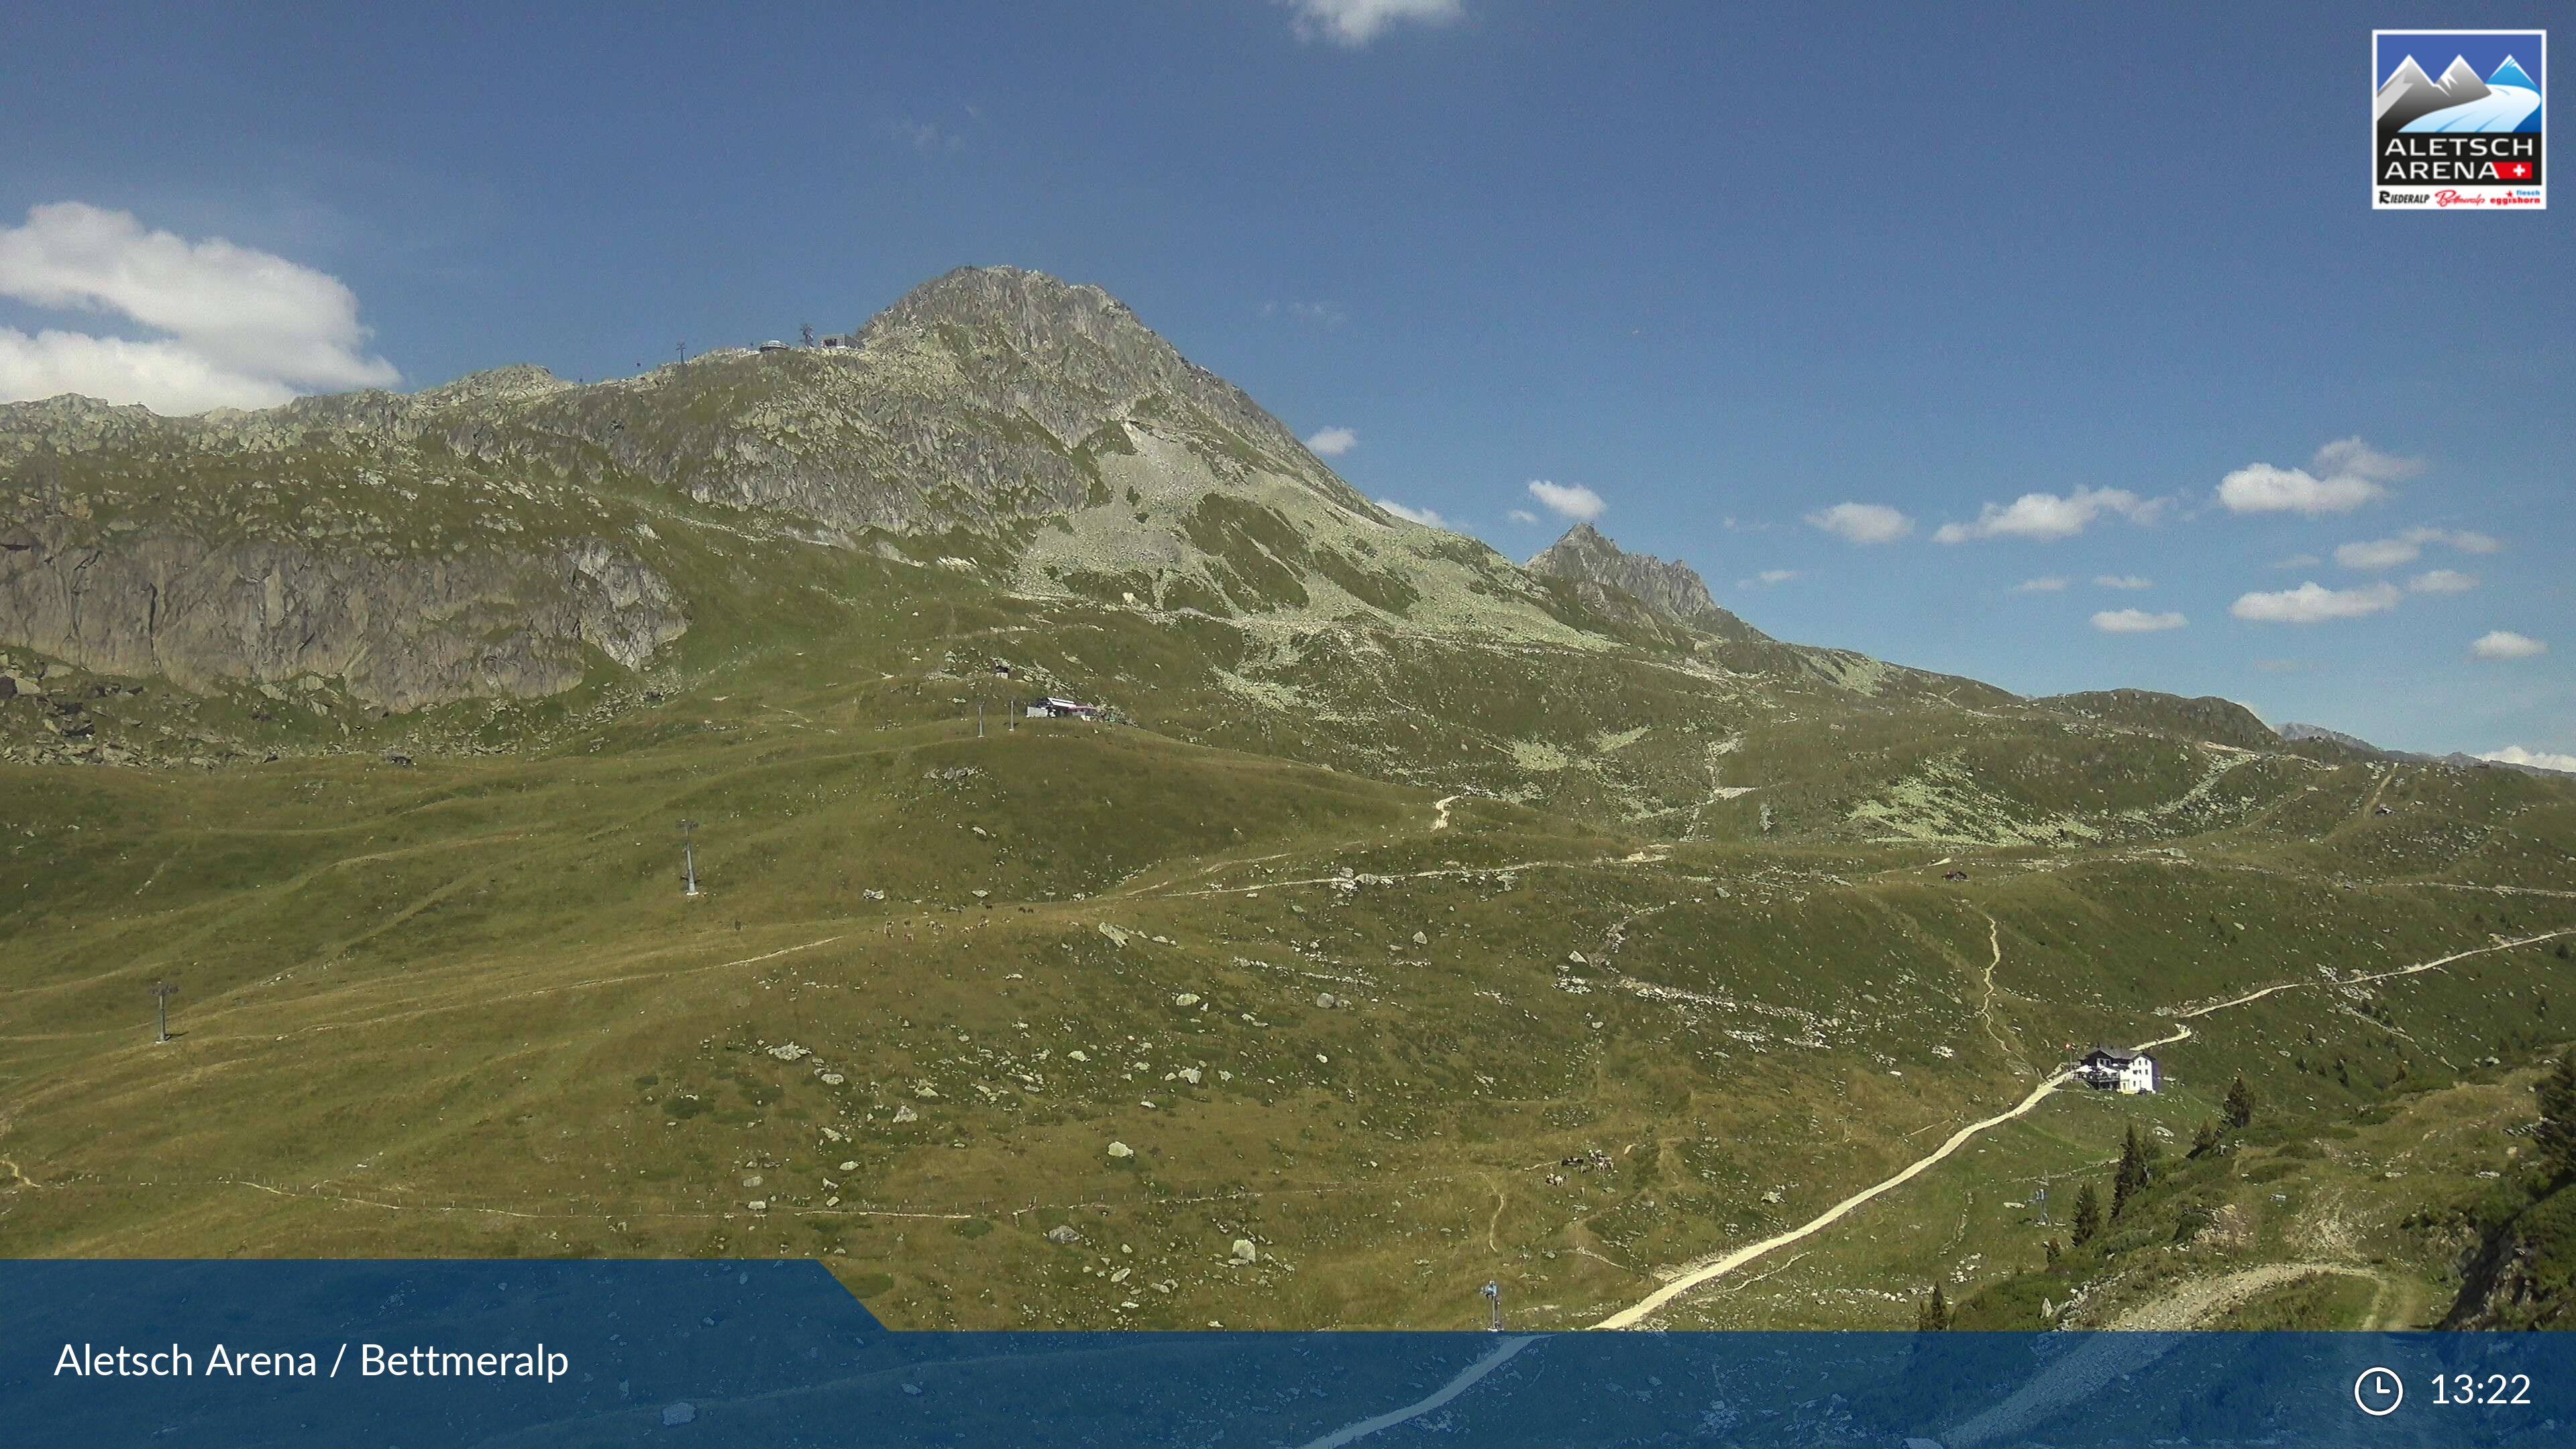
point(2294, 732)
point(1670, 589)
point(401, 633)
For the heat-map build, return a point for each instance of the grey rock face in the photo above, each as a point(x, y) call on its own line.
point(1673, 590)
point(402, 634)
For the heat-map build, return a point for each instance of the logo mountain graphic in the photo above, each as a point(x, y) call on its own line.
point(2459, 101)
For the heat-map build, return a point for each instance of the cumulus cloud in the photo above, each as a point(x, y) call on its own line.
point(2542, 759)
point(2344, 475)
point(2313, 603)
point(2262, 488)
point(2046, 516)
point(1522, 516)
point(2136, 621)
point(2506, 644)
point(2441, 581)
point(1863, 523)
point(1767, 578)
point(2387, 553)
point(1568, 500)
point(242, 328)
point(1332, 442)
point(1423, 516)
point(1354, 23)
point(2051, 585)
point(2123, 581)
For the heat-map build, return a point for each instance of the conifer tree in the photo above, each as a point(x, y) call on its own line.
point(2240, 1105)
point(2132, 1175)
point(2088, 1214)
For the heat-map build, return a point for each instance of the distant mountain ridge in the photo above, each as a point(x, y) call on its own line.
point(2457, 758)
point(998, 437)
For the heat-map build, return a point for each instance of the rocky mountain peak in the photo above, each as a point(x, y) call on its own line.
point(1029, 308)
point(1668, 587)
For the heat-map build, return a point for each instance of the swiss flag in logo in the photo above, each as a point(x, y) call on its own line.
point(2514, 170)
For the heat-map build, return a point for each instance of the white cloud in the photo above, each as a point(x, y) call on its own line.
point(2506, 644)
point(1522, 516)
point(2262, 488)
point(1422, 516)
point(2545, 759)
point(2136, 621)
point(2351, 457)
point(1354, 23)
point(2041, 586)
point(2045, 516)
point(1568, 500)
point(1333, 442)
point(2313, 603)
point(2384, 553)
point(2344, 475)
point(1767, 578)
point(244, 328)
point(2441, 581)
point(2123, 581)
point(1863, 523)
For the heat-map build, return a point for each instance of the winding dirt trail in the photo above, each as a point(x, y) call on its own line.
point(1716, 1268)
point(1638, 1312)
point(2194, 1303)
point(1986, 1002)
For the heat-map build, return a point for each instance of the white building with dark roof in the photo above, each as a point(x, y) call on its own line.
point(2106, 1069)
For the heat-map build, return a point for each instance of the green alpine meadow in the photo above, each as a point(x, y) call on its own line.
point(1141, 881)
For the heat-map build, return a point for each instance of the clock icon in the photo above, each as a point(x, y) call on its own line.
point(2378, 1391)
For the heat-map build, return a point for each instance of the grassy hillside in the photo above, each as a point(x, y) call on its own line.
point(1412, 920)
point(459, 1006)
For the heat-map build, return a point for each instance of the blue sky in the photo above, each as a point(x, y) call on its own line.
point(1723, 267)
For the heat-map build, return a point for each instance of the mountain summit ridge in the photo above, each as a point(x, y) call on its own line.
point(1672, 589)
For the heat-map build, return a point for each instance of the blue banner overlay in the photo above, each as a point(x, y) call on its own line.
point(775, 1354)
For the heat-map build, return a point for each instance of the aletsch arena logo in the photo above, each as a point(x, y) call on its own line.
point(2466, 136)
